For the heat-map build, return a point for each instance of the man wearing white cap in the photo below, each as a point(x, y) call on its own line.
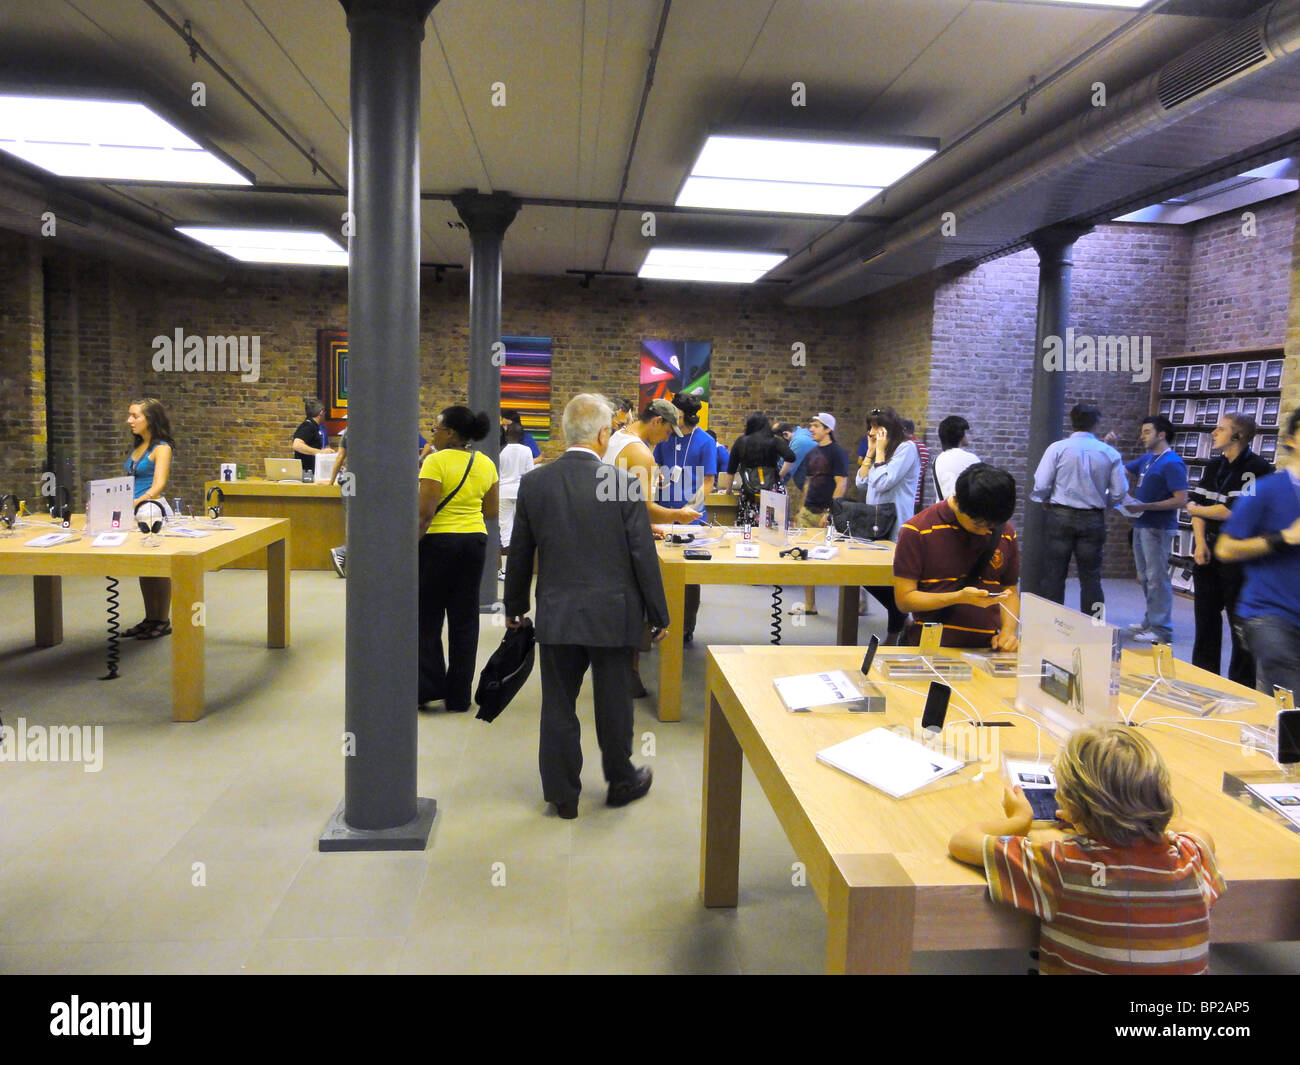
point(827, 467)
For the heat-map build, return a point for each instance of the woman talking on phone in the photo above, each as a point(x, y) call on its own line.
point(150, 463)
point(890, 472)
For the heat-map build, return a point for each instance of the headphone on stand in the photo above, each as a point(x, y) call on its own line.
point(61, 508)
point(797, 553)
point(214, 509)
point(150, 527)
point(9, 507)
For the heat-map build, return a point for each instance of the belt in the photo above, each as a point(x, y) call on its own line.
point(1078, 510)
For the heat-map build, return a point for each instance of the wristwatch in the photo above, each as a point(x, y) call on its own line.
point(1276, 542)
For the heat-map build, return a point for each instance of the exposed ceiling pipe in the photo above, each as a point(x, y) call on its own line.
point(197, 50)
point(636, 130)
point(1210, 73)
point(89, 228)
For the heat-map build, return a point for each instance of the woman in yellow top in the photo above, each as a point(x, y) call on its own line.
point(458, 490)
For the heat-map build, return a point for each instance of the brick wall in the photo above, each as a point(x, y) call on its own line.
point(104, 319)
point(22, 368)
point(1127, 280)
point(1291, 366)
point(1239, 290)
point(935, 346)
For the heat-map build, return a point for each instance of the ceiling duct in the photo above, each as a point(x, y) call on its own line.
point(1228, 96)
point(84, 228)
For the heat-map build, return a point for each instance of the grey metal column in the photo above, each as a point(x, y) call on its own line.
point(380, 810)
point(487, 217)
point(1054, 246)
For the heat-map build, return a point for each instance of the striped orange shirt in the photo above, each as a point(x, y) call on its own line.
point(1143, 909)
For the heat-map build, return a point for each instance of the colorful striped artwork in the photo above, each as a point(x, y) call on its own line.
point(526, 383)
point(672, 366)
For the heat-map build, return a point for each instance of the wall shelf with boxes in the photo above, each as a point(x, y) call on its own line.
point(1194, 392)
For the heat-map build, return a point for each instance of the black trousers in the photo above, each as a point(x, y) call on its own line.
point(451, 565)
point(1081, 533)
point(1215, 591)
point(884, 595)
point(560, 752)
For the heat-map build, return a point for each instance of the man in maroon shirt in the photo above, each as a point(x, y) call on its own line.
point(937, 551)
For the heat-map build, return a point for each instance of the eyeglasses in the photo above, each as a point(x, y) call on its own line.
point(875, 411)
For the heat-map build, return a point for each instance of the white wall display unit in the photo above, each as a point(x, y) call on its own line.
point(1194, 392)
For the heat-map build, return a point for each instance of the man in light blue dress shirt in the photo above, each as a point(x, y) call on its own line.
point(1078, 479)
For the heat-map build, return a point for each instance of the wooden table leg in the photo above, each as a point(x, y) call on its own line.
point(846, 626)
point(277, 593)
point(871, 915)
point(670, 648)
point(47, 596)
point(720, 830)
point(188, 628)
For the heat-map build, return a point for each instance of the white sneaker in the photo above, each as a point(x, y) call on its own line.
point(501, 574)
point(1145, 636)
point(339, 557)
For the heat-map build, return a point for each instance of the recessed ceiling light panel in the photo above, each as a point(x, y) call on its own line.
point(695, 264)
point(797, 173)
point(294, 247)
point(107, 140)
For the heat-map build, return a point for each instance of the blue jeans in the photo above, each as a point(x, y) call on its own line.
point(1275, 643)
point(1151, 549)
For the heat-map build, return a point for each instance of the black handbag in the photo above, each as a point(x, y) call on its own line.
point(756, 479)
point(863, 521)
point(506, 671)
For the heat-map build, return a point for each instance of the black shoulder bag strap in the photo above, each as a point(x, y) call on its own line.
point(447, 498)
point(986, 556)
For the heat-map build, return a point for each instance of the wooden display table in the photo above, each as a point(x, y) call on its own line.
point(315, 512)
point(880, 865)
point(185, 561)
point(850, 569)
point(720, 507)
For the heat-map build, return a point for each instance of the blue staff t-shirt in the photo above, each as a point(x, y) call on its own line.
point(1272, 585)
point(684, 462)
point(1159, 477)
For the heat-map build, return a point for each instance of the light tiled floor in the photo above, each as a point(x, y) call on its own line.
point(193, 850)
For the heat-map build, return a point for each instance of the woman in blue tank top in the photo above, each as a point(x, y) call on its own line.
point(150, 463)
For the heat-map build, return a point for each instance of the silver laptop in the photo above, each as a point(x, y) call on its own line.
point(284, 470)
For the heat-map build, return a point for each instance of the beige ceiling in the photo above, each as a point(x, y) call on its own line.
point(574, 73)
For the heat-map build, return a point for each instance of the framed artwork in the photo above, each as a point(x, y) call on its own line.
point(526, 382)
point(332, 371)
point(668, 367)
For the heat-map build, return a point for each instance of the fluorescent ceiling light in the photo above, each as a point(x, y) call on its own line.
point(106, 140)
point(296, 247)
point(693, 264)
point(735, 194)
point(796, 174)
point(1096, 3)
point(1266, 182)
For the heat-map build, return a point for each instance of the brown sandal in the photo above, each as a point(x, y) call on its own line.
point(155, 629)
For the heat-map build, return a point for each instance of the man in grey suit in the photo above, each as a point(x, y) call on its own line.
point(597, 584)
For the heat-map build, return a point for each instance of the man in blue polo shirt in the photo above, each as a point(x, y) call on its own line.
point(1161, 491)
point(795, 474)
point(688, 468)
point(1263, 533)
